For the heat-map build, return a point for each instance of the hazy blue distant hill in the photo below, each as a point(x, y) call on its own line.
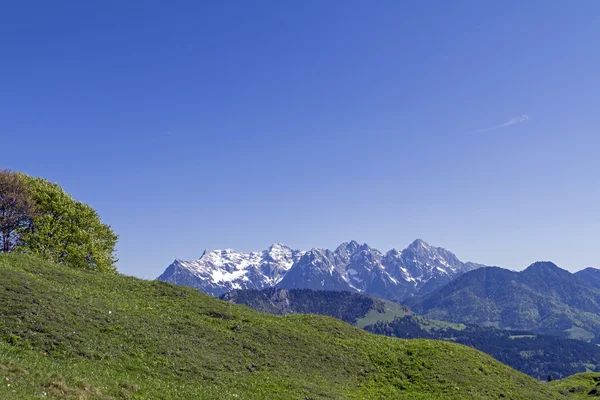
point(589, 276)
point(347, 306)
point(543, 298)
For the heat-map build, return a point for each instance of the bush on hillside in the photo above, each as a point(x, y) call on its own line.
point(52, 225)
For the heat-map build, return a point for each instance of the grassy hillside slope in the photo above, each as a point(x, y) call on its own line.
point(579, 386)
point(388, 312)
point(536, 355)
point(83, 335)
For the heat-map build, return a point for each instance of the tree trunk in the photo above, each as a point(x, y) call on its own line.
point(6, 244)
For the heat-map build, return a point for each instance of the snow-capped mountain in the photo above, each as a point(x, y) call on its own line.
point(394, 275)
point(218, 271)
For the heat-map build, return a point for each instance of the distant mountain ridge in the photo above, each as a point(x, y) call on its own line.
point(589, 276)
point(395, 275)
point(347, 306)
point(543, 298)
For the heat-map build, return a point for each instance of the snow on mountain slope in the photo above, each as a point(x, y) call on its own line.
point(395, 275)
point(218, 271)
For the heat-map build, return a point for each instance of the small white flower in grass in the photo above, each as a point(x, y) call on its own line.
point(110, 312)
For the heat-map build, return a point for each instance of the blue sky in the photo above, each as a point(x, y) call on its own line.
point(473, 125)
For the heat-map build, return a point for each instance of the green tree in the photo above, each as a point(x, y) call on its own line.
point(67, 231)
point(56, 227)
point(16, 209)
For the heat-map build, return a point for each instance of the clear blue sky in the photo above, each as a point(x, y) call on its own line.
point(190, 125)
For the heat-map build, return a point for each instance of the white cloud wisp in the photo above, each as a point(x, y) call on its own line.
point(510, 122)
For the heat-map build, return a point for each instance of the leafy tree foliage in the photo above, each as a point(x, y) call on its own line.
point(60, 229)
point(16, 209)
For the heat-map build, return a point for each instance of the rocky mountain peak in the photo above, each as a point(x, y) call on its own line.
point(543, 266)
point(548, 272)
point(347, 247)
point(352, 267)
point(418, 244)
point(546, 268)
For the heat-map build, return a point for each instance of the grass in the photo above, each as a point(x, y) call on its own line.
point(585, 385)
point(67, 334)
point(390, 311)
point(579, 334)
point(433, 324)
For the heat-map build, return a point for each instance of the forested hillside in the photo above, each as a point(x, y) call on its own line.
point(543, 298)
point(537, 355)
point(347, 306)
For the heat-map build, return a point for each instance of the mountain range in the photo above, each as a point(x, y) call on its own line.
point(589, 276)
point(543, 298)
point(395, 275)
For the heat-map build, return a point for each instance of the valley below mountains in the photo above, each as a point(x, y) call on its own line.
point(431, 281)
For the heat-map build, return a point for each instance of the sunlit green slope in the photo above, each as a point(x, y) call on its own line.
point(76, 334)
